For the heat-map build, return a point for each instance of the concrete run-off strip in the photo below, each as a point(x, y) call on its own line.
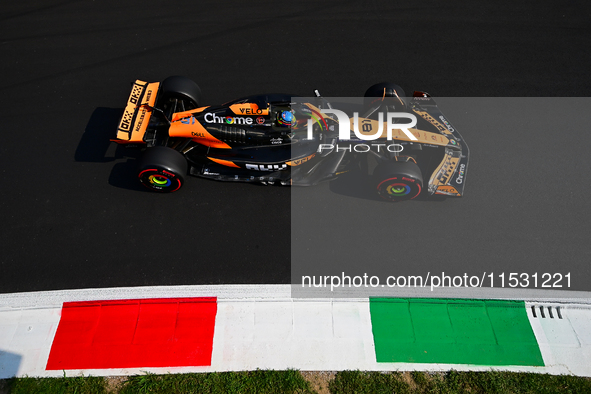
point(262, 327)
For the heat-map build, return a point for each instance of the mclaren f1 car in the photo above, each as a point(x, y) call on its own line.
point(287, 140)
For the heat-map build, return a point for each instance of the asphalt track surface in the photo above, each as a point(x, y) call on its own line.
point(72, 215)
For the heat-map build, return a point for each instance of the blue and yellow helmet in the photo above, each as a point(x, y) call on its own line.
point(285, 118)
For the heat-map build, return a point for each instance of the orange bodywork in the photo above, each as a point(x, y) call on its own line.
point(226, 163)
point(184, 124)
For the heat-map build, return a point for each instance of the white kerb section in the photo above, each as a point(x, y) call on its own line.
point(300, 334)
point(563, 333)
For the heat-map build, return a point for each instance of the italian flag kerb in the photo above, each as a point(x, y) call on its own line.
point(179, 332)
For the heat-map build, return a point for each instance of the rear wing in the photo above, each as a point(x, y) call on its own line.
point(138, 112)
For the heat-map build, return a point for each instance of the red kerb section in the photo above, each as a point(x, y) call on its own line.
point(161, 332)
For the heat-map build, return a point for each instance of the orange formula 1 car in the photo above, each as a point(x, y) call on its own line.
point(289, 140)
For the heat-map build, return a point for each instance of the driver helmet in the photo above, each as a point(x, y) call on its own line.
point(285, 118)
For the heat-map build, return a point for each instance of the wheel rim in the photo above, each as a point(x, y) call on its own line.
point(159, 180)
point(398, 189)
point(395, 189)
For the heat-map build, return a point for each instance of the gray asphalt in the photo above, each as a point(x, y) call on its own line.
point(72, 215)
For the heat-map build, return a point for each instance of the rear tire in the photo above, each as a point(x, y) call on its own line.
point(398, 180)
point(162, 169)
point(180, 88)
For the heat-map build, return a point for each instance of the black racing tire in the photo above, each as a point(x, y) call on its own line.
point(384, 89)
point(386, 93)
point(398, 180)
point(162, 169)
point(178, 87)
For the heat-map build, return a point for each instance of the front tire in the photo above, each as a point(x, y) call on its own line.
point(162, 169)
point(381, 97)
point(398, 180)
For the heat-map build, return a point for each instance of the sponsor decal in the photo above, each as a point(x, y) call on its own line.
point(260, 120)
point(297, 162)
point(197, 134)
point(268, 180)
point(213, 118)
point(206, 172)
point(189, 120)
point(446, 123)
point(136, 93)
point(433, 121)
point(461, 173)
point(447, 190)
point(126, 120)
point(276, 141)
point(252, 111)
point(248, 109)
point(140, 121)
point(267, 167)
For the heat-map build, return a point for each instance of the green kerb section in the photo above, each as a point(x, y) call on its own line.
point(453, 331)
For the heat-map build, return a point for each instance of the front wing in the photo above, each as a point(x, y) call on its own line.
point(449, 177)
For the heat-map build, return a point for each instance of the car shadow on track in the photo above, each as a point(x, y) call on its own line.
point(95, 147)
point(94, 144)
point(355, 184)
